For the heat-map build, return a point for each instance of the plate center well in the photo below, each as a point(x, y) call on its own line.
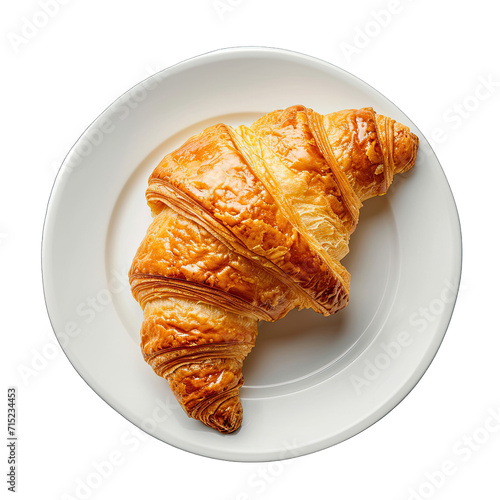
point(304, 348)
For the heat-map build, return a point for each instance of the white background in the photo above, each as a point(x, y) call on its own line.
point(437, 61)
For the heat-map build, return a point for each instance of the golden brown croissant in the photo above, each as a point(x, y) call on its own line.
point(250, 223)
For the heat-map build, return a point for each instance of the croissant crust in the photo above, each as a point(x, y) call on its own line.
point(249, 223)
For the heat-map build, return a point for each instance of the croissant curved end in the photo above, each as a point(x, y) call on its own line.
point(227, 416)
point(405, 148)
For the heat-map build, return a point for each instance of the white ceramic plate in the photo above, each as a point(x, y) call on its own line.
point(311, 381)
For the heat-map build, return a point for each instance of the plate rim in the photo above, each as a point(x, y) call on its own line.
point(395, 398)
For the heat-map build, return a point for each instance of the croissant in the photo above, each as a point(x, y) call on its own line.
point(249, 223)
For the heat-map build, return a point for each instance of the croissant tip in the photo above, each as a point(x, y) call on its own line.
point(405, 148)
point(227, 417)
